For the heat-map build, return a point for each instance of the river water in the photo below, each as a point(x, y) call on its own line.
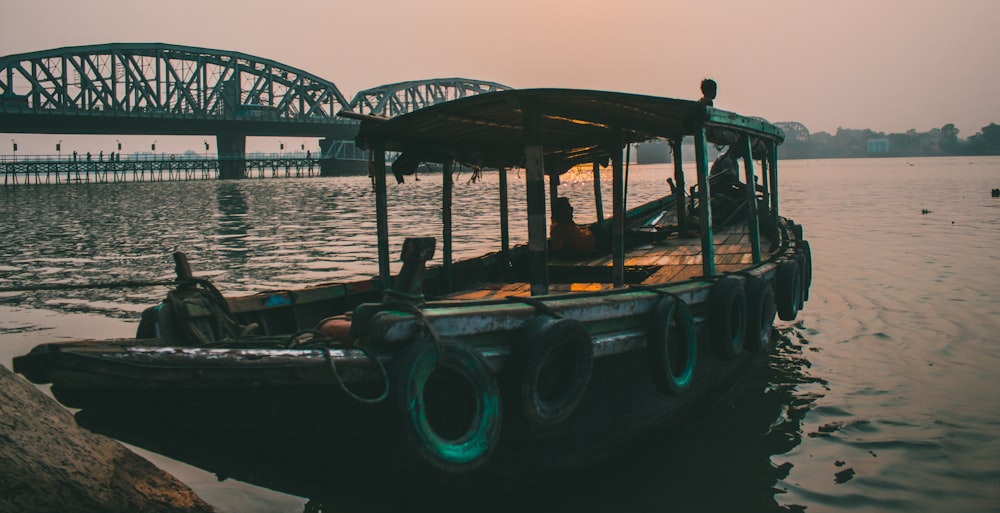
point(882, 396)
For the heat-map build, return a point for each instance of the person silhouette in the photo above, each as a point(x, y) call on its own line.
point(565, 233)
point(708, 91)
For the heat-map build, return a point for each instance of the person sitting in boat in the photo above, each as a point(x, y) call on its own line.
point(566, 235)
point(708, 91)
point(727, 191)
point(726, 168)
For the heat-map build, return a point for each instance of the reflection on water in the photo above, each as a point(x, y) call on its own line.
point(881, 397)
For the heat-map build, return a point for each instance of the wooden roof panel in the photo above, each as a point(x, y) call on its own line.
point(488, 129)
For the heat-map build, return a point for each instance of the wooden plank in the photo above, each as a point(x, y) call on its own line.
point(642, 260)
point(666, 274)
point(669, 260)
point(687, 272)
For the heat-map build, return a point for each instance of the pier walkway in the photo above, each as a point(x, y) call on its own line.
point(44, 171)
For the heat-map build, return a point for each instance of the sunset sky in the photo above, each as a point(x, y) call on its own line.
point(888, 65)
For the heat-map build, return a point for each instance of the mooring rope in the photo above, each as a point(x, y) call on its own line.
point(81, 286)
point(325, 344)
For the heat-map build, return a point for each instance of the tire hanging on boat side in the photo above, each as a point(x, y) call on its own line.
point(727, 318)
point(549, 369)
point(445, 437)
point(800, 261)
point(671, 346)
point(760, 313)
point(803, 249)
point(788, 290)
point(797, 230)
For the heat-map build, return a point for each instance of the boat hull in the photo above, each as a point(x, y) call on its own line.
point(314, 440)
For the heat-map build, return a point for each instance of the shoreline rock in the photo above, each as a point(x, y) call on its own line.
point(48, 463)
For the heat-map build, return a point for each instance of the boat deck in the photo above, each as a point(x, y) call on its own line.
point(674, 259)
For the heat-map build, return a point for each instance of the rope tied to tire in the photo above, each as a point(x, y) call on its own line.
point(324, 344)
point(424, 323)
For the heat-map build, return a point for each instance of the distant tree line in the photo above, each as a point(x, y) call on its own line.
point(848, 142)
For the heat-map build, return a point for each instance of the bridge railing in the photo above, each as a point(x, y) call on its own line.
point(63, 171)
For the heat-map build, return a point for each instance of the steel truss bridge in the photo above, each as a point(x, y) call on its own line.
point(164, 89)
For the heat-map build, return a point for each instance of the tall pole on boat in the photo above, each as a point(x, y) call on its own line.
point(534, 164)
point(675, 146)
point(618, 201)
point(376, 168)
point(504, 222)
point(772, 157)
point(767, 181)
point(446, 197)
point(598, 200)
point(704, 202)
point(751, 194)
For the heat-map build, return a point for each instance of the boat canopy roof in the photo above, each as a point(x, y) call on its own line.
point(575, 126)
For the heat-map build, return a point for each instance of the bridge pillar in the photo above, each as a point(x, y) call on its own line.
point(327, 165)
point(232, 155)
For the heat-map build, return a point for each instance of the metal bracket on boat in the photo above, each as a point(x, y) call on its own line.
point(183, 270)
point(406, 293)
point(538, 305)
point(409, 285)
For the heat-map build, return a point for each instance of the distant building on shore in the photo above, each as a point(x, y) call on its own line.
point(878, 145)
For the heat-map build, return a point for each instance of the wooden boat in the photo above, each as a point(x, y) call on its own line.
point(507, 367)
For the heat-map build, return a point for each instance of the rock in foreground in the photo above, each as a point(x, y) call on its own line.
point(48, 463)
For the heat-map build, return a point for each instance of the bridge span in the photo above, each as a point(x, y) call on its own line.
point(164, 89)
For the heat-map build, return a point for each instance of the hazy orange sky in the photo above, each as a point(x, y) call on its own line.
point(888, 65)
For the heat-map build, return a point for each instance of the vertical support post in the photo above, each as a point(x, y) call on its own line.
point(772, 156)
point(704, 200)
point(618, 220)
point(504, 221)
point(534, 160)
point(598, 200)
point(553, 189)
point(376, 168)
point(764, 172)
point(446, 197)
point(232, 150)
point(751, 193)
point(679, 194)
point(328, 165)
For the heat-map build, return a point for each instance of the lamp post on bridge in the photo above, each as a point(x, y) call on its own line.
point(152, 147)
point(59, 149)
point(14, 144)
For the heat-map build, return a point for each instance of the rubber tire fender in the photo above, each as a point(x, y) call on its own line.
point(411, 370)
point(548, 391)
point(671, 346)
point(788, 290)
point(727, 318)
point(807, 272)
point(760, 313)
point(796, 230)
